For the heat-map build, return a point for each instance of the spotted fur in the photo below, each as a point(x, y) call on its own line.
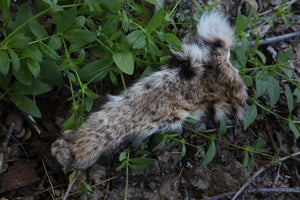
point(197, 82)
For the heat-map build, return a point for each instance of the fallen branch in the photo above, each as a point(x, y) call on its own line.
point(259, 190)
point(5, 143)
point(276, 39)
point(259, 172)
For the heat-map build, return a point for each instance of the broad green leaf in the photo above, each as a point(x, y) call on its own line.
point(113, 78)
point(297, 93)
point(23, 14)
point(23, 74)
point(4, 63)
point(38, 30)
point(287, 70)
point(81, 57)
point(35, 88)
point(294, 128)
point(50, 73)
point(210, 154)
point(273, 89)
point(65, 21)
point(250, 116)
point(31, 51)
point(284, 56)
point(25, 104)
point(14, 60)
point(80, 36)
point(95, 70)
point(172, 40)
point(34, 67)
point(261, 86)
point(88, 103)
point(124, 61)
point(55, 42)
point(242, 23)
point(155, 20)
point(112, 5)
point(49, 52)
point(246, 161)
point(289, 98)
point(153, 48)
point(223, 128)
point(18, 41)
point(137, 39)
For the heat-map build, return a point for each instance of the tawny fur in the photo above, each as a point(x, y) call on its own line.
point(198, 82)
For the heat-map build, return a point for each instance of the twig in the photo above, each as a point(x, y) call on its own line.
point(70, 185)
point(276, 39)
point(5, 143)
point(259, 190)
point(52, 188)
point(275, 8)
point(259, 172)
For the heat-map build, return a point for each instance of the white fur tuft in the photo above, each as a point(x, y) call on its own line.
point(214, 26)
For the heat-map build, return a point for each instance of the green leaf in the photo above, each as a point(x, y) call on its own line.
point(25, 104)
point(4, 63)
point(183, 151)
point(34, 67)
point(153, 48)
point(49, 52)
point(261, 55)
point(23, 14)
point(171, 39)
point(14, 60)
point(287, 70)
point(55, 42)
point(88, 103)
point(65, 21)
point(50, 73)
point(122, 156)
point(72, 122)
point(273, 88)
point(112, 5)
point(31, 51)
point(35, 88)
point(250, 116)
point(137, 39)
point(18, 41)
point(5, 80)
point(80, 37)
point(246, 161)
point(284, 56)
point(38, 30)
point(23, 74)
point(113, 77)
point(259, 143)
point(223, 128)
point(242, 23)
point(155, 20)
point(210, 154)
point(142, 161)
point(124, 61)
point(289, 98)
point(261, 86)
point(294, 128)
point(95, 70)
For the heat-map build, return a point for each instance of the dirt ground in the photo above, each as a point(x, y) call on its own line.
point(31, 172)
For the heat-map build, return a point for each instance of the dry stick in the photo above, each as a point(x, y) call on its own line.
point(275, 8)
point(258, 173)
point(5, 144)
point(276, 39)
point(52, 188)
point(259, 190)
point(70, 185)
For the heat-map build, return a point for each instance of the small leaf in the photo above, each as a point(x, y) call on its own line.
point(261, 86)
point(72, 122)
point(259, 143)
point(289, 98)
point(55, 42)
point(66, 20)
point(136, 39)
point(153, 48)
point(23, 74)
point(155, 20)
point(210, 154)
point(38, 30)
point(273, 88)
point(113, 77)
point(261, 55)
point(183, 151)
point(49, 52)
point(294, 128)
point(34, 67)
point(284, 56)
point(162, 143)
point(35, 88)
point(242, 23)
point(124, 62)
point(246, 161)
point(18, 41)
point(31, 51)
point(122, 156)
point(50, 72)
point(95, 70)
point(250, 116)
point(4, 63)
point(14, 60)
point(223, 128)
point(25, 104)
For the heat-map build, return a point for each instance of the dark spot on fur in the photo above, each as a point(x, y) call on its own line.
point(210, 113)
point(95, 148)
point(97, 136)
point(153, 113)
point(148, 86)
point(184, 66)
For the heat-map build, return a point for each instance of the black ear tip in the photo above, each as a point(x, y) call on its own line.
point(184, 66)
